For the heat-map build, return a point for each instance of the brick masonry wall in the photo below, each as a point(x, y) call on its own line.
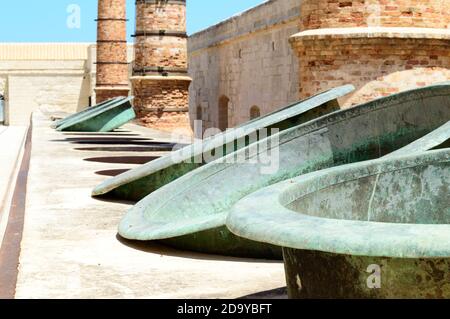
point(155, 50)
point(319, 14)
point(376, 67)
point(382, 47)
point(112, 68)
point(161, 99)
point(106, 94)
point(152, 16)
point(112, 75)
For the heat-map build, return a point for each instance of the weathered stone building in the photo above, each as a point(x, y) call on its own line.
point(112, 62)
point(50, 76)
point(245, 66)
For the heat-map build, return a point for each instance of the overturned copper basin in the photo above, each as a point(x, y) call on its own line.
point(190, 212)
point(377, 229)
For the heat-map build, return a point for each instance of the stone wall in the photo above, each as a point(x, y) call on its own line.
point(49, 76)
point(49, 92)
point(3, 79)
point(46, 76)
point(244, 62)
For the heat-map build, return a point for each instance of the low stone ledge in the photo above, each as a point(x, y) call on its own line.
point(371, 32)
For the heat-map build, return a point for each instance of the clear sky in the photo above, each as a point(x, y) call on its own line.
point(56, 20)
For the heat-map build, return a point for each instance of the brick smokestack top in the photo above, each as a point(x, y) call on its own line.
point(160, 75)
point(380, 46)
point(112, 66)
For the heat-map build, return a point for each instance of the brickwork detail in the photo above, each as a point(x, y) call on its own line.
point(106, 94)
point(160, 81)
point(400, 53)
point(112, 75)
point(376, 67)
point(112, 67)
point(170, 16)
point(159, 51)
point(320, 14)
point(159, 101)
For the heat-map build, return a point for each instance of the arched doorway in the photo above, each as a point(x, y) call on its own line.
point(223, 112)
point(255, 112)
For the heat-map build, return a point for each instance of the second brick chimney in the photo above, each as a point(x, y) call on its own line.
point(160, 79)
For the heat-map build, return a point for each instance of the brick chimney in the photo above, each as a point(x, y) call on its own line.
point(160, 77)
point(380, 46)
point(112, 66)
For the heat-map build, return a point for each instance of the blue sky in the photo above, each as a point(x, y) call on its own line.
point(46, 20)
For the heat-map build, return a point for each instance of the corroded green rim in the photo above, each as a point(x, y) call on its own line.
point(271, 222)
point(217, 141)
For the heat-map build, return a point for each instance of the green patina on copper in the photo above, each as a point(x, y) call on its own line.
point(105, 118)
point(91, 109)
point(201, 200)
point(438, 139)
point(352, 277)
point(138, 183)
point(339, 223)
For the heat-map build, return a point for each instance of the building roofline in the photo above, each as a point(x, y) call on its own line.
point(230, 19)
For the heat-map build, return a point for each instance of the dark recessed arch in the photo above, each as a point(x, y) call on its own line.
point(224, 102)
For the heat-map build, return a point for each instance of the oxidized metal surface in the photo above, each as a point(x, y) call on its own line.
point(105, 118)
point(314, 274)
point(392, 213)
point(139, 182)
point(201, 200)
point(91, 109)
point(439, 138)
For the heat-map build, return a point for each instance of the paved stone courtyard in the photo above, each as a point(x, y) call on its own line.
point(70, 247)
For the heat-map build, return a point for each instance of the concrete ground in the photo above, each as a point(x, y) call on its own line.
point(70, 247)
